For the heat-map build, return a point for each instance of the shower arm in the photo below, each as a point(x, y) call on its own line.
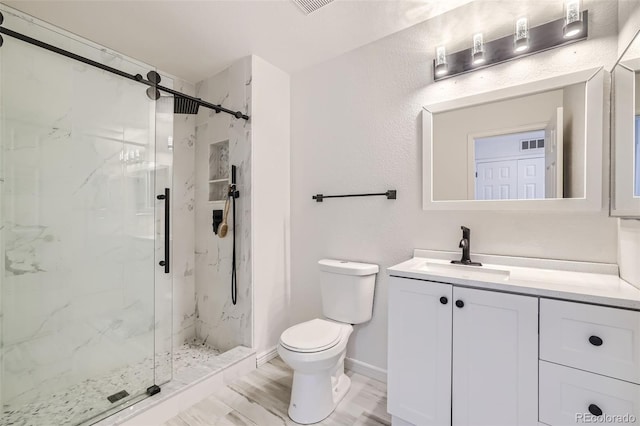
point(152, 75)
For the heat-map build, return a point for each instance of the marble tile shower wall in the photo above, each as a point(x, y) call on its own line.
point(184, 204)
point(218, 322)
point(77, 226)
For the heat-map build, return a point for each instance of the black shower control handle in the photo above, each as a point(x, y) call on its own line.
point(444, 300)
point(595, 341)
point(595, 410)
point(459, 303)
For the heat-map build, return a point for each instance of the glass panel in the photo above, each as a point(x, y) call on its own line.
point(163, 281)
point(78, 198)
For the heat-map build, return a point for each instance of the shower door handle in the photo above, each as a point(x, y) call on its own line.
point(167, 222)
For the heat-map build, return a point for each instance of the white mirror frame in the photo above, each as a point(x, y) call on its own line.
point(623, 203)
point(594, 168)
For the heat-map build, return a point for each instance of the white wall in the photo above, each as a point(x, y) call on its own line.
point(628, 22)
point(629, 251)
point(356, 128)
point(629, 230)
point(183, 222)
point(271, 203)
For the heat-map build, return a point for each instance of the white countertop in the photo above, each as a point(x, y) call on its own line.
point(597, 283)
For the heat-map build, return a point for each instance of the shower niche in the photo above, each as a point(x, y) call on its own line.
point(218, 171)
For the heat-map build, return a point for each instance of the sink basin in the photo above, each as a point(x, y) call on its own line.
point(464, 271)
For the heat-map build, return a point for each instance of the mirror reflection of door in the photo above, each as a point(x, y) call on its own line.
point(510, 166)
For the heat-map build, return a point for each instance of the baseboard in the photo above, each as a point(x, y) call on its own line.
point(365, 369)
point(266, 356)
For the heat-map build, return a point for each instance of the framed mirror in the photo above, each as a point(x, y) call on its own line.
point(625, 119)
point(535, 146)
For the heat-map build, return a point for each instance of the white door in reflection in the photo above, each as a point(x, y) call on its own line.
point(510, 166)
point(496, 180)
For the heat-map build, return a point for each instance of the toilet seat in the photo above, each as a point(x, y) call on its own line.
point(312, 336)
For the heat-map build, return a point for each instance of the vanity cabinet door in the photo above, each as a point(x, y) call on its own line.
point(495, 358)
point(419, 365)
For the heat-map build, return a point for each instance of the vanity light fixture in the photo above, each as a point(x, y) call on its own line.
point(441, 61)
point(526, 40)
point(477, 51)
point(521, 36)
point(572, 19)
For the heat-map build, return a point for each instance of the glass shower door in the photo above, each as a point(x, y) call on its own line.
point(77, 183)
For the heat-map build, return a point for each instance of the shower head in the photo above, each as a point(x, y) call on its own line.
point(185, 106)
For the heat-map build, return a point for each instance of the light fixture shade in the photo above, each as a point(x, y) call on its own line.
point(477, 51)
point(441, 61)
point(572, 19)
point(521, 35)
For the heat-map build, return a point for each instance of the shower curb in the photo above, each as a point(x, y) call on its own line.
point(176, 396)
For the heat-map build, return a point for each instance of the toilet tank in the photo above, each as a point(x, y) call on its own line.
point(347, 290)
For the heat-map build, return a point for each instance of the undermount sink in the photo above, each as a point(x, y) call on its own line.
point(465, 271)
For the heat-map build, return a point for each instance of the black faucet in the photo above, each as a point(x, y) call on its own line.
point(465, 245)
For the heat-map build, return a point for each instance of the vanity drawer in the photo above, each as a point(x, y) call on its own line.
point(592, 338)
point(569, 396)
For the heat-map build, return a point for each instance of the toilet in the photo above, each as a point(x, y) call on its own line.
point(316, 349)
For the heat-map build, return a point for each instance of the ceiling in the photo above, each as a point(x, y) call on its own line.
point(196, 39)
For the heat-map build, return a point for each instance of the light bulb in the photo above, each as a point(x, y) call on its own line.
point(572, 19)
point(441, 61)
point(521, 35)
point(477, 51)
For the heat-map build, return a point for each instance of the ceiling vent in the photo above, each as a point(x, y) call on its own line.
point(309, 6)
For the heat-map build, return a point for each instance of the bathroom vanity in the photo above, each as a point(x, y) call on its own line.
point(517, 341)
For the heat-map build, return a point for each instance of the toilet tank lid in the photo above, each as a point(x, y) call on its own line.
point(346, 267)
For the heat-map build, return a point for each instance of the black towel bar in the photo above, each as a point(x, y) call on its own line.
point(390, 194)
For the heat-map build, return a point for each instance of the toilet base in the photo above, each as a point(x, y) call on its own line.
point(315, 396)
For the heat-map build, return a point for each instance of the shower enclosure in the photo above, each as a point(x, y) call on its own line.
point(85, 306)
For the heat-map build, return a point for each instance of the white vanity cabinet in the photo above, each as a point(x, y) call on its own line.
point(495, 358)
point(461, 356)
point(519, 341)
point(419, 379)
point(589, 364)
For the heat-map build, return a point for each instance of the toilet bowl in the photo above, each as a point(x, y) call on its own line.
point(316, 349)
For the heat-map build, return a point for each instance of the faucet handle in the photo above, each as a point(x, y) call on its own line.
point(463, 243)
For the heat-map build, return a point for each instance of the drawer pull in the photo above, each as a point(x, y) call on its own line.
point(595, 341)
point(595, 410)
point(444, 300)
point(459, 303)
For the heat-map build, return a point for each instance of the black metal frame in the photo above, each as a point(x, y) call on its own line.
point(542, 37)
point(390, 194)
point(153, 78)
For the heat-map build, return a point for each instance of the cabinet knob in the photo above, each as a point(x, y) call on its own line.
point(162, 263)
point(444, 300)
point(595, 341)
point(595, 410)
point(459, 303)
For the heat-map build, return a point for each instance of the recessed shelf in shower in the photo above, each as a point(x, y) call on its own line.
point(218, 171)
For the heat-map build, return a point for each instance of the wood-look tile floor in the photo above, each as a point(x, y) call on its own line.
point(262, 398)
